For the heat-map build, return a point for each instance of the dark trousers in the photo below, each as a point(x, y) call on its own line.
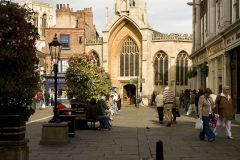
point(174, 111)
point(160, 113)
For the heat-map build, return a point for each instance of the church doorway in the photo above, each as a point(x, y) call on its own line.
point(129, 93)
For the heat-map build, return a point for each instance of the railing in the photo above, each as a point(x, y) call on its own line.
point(94, 41)
point(171, 37)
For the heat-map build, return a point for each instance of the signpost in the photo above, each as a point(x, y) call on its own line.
point(136, 81)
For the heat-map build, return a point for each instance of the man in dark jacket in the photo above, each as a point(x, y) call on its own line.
point(104, 119)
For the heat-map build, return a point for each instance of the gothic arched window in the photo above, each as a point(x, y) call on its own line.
point(182, 68)
point(35, 20)
point(44, 23)
point(96, 59)
point(161, 68)
point(129, 58)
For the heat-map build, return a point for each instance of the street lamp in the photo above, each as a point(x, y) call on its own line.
point(55, 51)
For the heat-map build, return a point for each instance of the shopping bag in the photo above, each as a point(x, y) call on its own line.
point(199, 124)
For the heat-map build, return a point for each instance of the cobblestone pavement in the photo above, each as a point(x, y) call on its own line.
point(133, 136)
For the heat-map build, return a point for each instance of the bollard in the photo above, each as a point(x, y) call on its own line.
point(159, 150)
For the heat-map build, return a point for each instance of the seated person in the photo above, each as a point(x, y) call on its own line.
point(92, 110)
point(61, 106)
point(102, 115)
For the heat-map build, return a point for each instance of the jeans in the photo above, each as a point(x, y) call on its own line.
point(104, 121)
point(186, 104)
point(206, 129)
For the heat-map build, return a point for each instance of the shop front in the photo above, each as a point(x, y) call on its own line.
point(49, 88)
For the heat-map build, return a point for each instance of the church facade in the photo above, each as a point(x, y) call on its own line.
point(139, 59)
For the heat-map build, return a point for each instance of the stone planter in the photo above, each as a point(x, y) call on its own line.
point(14, 150)
point(12, 127)
point(55, 133)
point(13, 145)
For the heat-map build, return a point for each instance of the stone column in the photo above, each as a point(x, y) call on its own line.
point(198, 79)
point(197, 25)
point(215, 80)
point(226, 70)
point(212, 18)
point(210, 74)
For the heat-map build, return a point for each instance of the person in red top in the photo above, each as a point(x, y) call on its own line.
point(60, 106)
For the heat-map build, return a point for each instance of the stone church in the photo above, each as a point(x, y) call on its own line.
point(139, 59)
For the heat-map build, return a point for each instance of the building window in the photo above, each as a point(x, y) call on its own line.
point(132, 3)
point(64, 40)
point(35, 20)
point(44, 24)
point(182, 69)
point(235, 10)
point(62, 66)
point(129, 58)
point(161, 68)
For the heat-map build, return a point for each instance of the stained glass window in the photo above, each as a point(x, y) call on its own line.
point(182, 68)
point(129, 58)
point(161, 68)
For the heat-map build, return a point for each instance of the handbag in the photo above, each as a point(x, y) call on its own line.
point(213, 120)
point(199, 124)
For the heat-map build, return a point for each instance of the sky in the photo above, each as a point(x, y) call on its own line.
point(166, 16)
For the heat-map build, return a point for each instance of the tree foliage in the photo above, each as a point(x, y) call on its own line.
point(18, 61)
point(86, 80)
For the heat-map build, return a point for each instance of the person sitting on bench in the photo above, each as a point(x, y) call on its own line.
point(102, 115)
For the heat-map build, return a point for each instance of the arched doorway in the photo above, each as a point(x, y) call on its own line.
point(129, 93)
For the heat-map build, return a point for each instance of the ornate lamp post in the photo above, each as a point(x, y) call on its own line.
point(55, 52)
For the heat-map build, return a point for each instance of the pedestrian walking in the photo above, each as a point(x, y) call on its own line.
point(192, 107)
point(168, 99)
point(159, 103)
point(175, 111)
point(225, 109)
point(186, 99)
point(205, 108)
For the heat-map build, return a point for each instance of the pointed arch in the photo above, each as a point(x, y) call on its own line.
point(120, 31)
point(129, 58)
point(96, 59)
point(182, 61)
point(160, 68)
point(44, 23)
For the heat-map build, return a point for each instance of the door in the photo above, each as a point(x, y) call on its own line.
point(129, 93)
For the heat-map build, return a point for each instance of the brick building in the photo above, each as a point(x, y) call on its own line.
point(72, 28)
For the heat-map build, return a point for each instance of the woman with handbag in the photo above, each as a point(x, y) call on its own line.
point(205, 108)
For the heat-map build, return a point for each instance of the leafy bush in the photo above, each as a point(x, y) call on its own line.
point(18, 62)
point(85, 80)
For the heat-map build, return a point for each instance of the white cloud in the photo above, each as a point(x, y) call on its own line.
point(167, 16)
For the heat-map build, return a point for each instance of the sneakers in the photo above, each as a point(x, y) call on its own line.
point(211, 140)
point(229, 137)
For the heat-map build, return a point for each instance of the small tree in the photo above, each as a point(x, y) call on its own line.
point(86, 80)
point(18, 62)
